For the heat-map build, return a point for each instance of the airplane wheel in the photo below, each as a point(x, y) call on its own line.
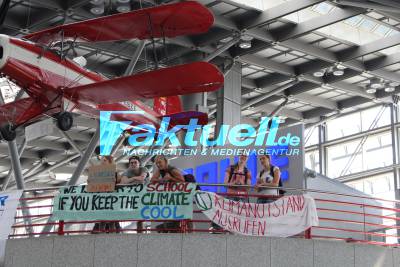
point(8, 133)
point(64, 121)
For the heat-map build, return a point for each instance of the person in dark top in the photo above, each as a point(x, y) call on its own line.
point(166, 173)
point(269, 175)
point(133, 175)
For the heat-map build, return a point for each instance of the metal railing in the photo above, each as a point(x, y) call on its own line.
point(347, 217)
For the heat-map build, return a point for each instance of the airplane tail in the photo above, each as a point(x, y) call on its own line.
point(172, 107)
point(167, 105)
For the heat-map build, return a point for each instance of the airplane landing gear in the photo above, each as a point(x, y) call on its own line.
point(8, 132)
point(64, 121)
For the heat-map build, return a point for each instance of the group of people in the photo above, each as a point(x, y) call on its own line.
point(237, 181)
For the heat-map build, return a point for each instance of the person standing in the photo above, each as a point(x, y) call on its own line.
point(163, 174)
point(135, 174)
point(236, 178)
point(269, 176)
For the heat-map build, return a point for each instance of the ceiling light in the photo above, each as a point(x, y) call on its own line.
point(227, 39)
point(97, 2)
point(123, 8)
point(389, 89)
point(123, 1)
point(245, 44)
point(340, 67)
point(246, 38)
point(337, 72)
point(97, 10)
point(394, 84)
point(376, 83)
point(370, 90)
point(319, 73)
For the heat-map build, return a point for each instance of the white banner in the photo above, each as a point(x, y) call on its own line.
point(287, 216)
point(8, 206)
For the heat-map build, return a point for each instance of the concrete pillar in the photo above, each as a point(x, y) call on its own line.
point(229, 98)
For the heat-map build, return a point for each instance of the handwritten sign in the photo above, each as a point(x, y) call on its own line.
point(168, 201)
point(101, 178)
point(287, 216)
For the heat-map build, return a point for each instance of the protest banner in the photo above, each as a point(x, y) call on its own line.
point(8, 206)
point(287, 216)
point(167, 201)
point(101, 178)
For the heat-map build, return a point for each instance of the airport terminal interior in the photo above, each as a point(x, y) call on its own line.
point(324, 74)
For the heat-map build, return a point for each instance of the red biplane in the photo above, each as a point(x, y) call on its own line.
point(57, 86)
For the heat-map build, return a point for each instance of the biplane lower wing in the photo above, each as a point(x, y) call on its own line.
point(20, 111)
point(178, 80)
point(171, 20)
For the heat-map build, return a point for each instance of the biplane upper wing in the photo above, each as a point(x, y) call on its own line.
point(20, 111)
point(178, 80)
point(171, 20)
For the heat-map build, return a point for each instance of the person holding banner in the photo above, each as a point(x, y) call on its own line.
point(108, 227)
point(133, 175)
point(236, 177)
point(268, 176)
point(163, 174)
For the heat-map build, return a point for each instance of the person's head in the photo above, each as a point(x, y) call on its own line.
point(265, 160)
point(134, 162)
point(243, 159)
point(161, 162)
point(107, 160)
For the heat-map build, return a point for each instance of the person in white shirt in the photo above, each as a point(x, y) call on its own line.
point(269, 175)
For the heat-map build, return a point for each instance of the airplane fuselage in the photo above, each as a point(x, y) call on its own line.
point(43, 75)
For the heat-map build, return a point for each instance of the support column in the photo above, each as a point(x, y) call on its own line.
point(85, 158)
point(229, 99)
point(321, 149)
point(9, 174)
point(16, 164)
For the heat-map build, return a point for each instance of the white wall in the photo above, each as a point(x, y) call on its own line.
point(193, 250)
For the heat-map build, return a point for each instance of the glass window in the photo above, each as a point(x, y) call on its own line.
point(382, 30)
point(323, 8)
point(312, 160)
point(353, 21)
point(369, 115)
point(344, 126)
point(367, 24)
point(311, 136)
point(379, 186)
point(375, 153)
point(356, 122)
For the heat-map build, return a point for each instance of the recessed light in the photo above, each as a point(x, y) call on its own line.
point(319, 73)
point(245, 45)
point(98, 10)
point(389, 89)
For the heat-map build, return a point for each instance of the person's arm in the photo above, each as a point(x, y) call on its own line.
point(248, 178)
point(228, 183)
point(174, 176)
point(156, 177)
point(118, 178)
point(277, 177)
